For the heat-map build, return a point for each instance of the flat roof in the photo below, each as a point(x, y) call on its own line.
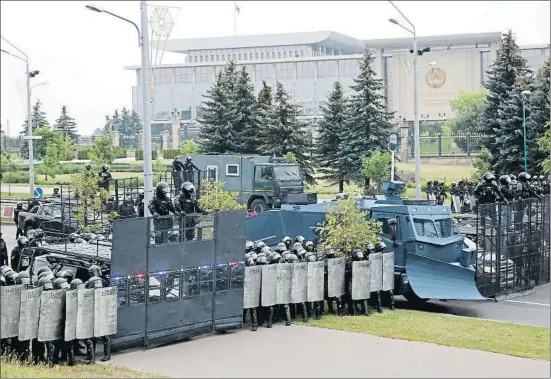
point(436, 41)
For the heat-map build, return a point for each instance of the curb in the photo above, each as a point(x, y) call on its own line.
point(514, 295)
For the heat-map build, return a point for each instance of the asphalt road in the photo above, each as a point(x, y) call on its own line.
point(309, 352)
point(531, 309)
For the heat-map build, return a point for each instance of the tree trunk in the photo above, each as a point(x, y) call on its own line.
point(341, 186)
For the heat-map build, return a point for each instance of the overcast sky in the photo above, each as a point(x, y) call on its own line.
point(81, 54)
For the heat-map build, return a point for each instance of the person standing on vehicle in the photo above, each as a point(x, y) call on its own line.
point(187, 206)
point(487, 192)
point(177, 174)
point(18, 209)
point(525, 191)
point(161, 207)
point(140, 204)
point(454, 191)
point(3, 252)
point(104, 177)
point(189, 166)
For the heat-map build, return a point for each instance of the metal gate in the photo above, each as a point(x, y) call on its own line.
point(513, 246)
point(170, 290)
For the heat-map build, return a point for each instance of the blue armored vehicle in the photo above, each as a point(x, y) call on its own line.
point(431, 260)
point(262, 182)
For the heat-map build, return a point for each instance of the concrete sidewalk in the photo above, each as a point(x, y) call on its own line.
point(309, 352)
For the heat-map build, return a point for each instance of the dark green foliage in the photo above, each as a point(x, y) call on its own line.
point(245, 127)
point(139, 155)
point(38, 120)
point(538, 117)
point(66, 124)
point(170, 153)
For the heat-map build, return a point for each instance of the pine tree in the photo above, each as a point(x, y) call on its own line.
point(125, 125)
point(108, 127)
point(66, 124)
point(287, 135)
point(217, 117)
point(264, 117)
point(245, 128)
point(115, 121)
point(538, 116)
point(368, 124)
point(506, 76)
point(331, 127)
point(38, 120)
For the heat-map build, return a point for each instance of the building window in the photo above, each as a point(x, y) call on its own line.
point(305, 70)
point(212, 58)
point(284, 71)
point(184, 75)
point(327, 69)
point(348, 67)
point(163, 76)
point(284, 54)
point(204, 74)
point(201, 58)
point(302, 53)
point(264, 71)
point(206, 58)
point(217, 58)
point(485, 63)
point(297, 54)
point(250, 56)
point(279, 54)
point(255, 55)
point(232, 169)
point(212, 173)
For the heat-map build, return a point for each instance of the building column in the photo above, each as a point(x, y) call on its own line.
point(165, 139)
point(116, 138)
point(404, 136)
point(176, 129)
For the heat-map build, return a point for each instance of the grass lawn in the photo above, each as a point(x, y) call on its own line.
point(13, 195)
point(13, 370)
point(465, 332)
point(452, 173)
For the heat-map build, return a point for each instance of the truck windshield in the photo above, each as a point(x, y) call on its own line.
point(442, 228)
point(287, 172)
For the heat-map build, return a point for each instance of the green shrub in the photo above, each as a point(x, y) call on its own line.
point(16, 177)
point(170, 153)
point(139, 155)
point(120, 152)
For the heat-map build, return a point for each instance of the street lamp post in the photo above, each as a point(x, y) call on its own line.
point(392, 144)
point(417, 145)
point(525, 94)
point(143, 39)
point(29, 136)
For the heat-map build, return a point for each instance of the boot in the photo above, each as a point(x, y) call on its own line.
point(304, 312)
point(330, 306)
point(287, 315)
point(317, 310)
point(365, 308)
point(391, 293)
point(50, 354)
point(261, 313)
point(90, 352)
point(322, 307)
point(379, 304)
point(254, 320)
point(270, 317)
point(244, 316)
point(340, 306)
point(71, 353)
point(77, 346)
point(106, 348)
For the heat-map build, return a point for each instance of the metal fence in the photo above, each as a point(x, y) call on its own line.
point(451, 145)
point(172, 290)
point(513, 246)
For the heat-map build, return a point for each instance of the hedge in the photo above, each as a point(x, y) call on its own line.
point(139, 155)
point(118, 151)
point(171, 153)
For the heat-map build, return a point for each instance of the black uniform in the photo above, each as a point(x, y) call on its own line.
point(187, 206)
point(16, 212)
point(189, 166)
point(104, 177)
point(488, 192)
point(161, 206)
point(524, 192)
point(3, 252)
point(177, 174)
point(140, 205)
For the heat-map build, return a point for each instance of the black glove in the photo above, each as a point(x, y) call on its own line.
point(156, 215)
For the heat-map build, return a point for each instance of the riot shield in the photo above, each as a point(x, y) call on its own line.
point(456, 204)
point(376, 270)
point(284, 282)
point(85, 314)
point(299, 288)
point(388, 271)
point(10, 302)
point(316, 281)
point(361, 279)
point(251, 291)
point(71, 307)
point(29, 313)
point(335, 277)
point(269, 286)
point(105, 311)
point(52, 315)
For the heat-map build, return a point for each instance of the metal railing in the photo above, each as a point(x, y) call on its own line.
point(448, 145)
point(180, 228)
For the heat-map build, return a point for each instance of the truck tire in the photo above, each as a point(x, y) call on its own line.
point(259, 205)
point(27, 228)
point(414, 299)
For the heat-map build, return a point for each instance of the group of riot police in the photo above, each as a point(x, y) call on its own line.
point(299, 250)
point(436, 190)
point(52, 352)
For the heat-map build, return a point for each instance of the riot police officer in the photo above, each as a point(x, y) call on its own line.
point(16, 211)
point(488, 192)
point(160, 207)
point(56, 193)
point(454, 191)
point(525, 191)
point(177, 173)
point(429, 189)
point(188, 168)
point(357, 255)
point(88, 173)
point(187, 206)
point(506, 187)
point(140, 204)
point(22, 242)
point(127, 208)
point(3, 252)
point(97, 282)
point(441, 194)
point(104, 177)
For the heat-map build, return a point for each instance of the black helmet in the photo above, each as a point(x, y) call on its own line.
point(380, 246)
point(56, 190)
point(309, 245)
point(357, 254)
point(20, 205)
point(287, 241)
point(249, 245)
point(24, 278)
point(489, 177)
point(187, 188)
point(11, 278)
point(45, 283)
point(22, 241)
point(162, 190)
point(281, 247)
point(94, 282)
point(94, 270)
point(73, 237)
point(310, 257)
point(188, 158)
point(61, 283)
point(299, 239)
point(429, 183)
point(141, 194)
point(524, 177)
point(104, 167)
point(370, 247)
point(88, 166)
point(77, 284)
point(296, 246)
point(329, 252)
point(505, 180)
point(454, 184)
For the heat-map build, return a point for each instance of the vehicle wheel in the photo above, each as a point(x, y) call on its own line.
point(413, 298)
point(259, 205)
point(27, 228)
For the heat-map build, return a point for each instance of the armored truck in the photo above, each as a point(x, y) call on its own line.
point(262, 182)
point(431, 260)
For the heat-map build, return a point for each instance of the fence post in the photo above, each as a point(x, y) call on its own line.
point(469, 144)
point(440, 145)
